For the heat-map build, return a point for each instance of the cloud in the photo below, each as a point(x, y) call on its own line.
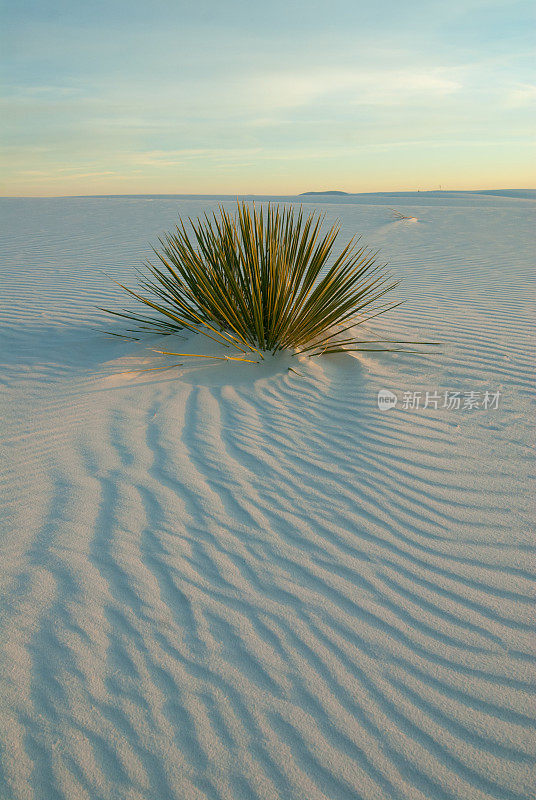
point(523, 95)
point(60, 174)
point(166, 158)
point(386, 87)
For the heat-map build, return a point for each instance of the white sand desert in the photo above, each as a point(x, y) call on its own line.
point(237, 582)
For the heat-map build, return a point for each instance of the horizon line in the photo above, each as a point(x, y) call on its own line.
point(310, 193)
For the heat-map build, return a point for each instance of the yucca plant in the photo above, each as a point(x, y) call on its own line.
point(261, 281)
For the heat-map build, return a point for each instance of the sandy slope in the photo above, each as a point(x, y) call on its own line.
point(236, 583)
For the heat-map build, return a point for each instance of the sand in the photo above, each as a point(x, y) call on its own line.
point(238, 582)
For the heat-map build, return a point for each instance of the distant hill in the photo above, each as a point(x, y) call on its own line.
point(331, 192)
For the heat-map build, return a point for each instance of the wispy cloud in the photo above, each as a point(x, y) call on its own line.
point(164, 158)
point(282, 90)
point(523, 94)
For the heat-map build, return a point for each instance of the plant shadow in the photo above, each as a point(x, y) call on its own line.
point(107, 360)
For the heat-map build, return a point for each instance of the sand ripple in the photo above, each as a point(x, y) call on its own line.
point(224, 587)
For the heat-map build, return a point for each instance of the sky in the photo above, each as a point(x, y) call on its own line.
point(280, 97)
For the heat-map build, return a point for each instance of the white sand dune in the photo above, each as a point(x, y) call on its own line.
point(235, 582)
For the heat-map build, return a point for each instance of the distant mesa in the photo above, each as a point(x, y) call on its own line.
point(330, 192)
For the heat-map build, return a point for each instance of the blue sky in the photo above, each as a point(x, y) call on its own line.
point(247, 97)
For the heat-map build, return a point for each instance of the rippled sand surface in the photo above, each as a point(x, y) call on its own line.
point(239, 582)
